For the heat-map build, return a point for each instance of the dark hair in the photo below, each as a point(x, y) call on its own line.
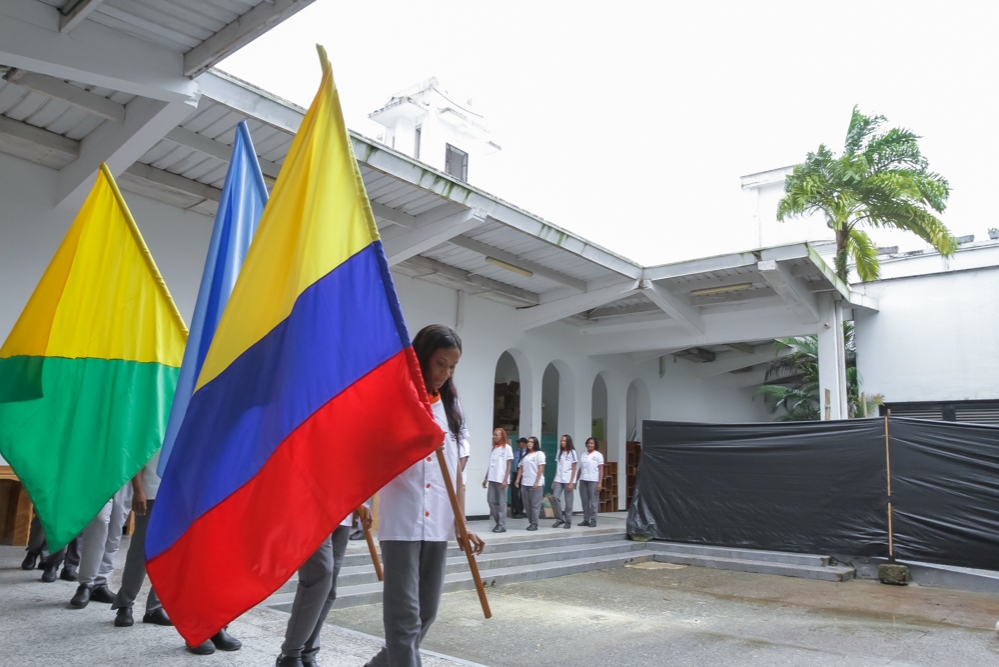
point(430, 339)
point(534, 443)
point(596, 443)
point(569, 446)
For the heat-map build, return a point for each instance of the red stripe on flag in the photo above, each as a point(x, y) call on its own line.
point(242, 550)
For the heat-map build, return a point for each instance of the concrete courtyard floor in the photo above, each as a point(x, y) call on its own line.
point(659, 614)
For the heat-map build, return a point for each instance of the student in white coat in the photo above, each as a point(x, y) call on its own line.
point(497, 477)
point(415, 519)
point(531, 481)
point(564, 482)
point(591, 479)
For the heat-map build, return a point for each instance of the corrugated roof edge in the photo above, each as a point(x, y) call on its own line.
point(549, 232)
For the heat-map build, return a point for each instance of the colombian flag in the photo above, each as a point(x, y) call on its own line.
point(89, 370)
point(310, 398)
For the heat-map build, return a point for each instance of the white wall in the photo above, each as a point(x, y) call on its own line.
point(936, 337)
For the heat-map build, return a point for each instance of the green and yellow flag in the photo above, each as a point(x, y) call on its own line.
point(88, 373)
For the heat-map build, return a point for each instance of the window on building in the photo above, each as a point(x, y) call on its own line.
point(456, 162)
point(416, 143)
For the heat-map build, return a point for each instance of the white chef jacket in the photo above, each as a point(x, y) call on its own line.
point(497, 463)
point(415, 506)
point(150, 480)
point(589, 466)
point(530, 464)
point(563, 466)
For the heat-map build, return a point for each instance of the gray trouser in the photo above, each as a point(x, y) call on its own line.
point(101, 538)
point(562, 489)
point(414, 579)
point(532, 501)
point(315, 595)
point(135, 567)
point(70, 554)
point(496, 495)
point(590, 497)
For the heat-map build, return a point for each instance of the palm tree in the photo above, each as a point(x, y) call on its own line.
point(792, 380)
point(881, 180)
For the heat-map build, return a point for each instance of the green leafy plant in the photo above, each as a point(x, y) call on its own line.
point(881, 180)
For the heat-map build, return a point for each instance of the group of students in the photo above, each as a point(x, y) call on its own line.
point(528, 464)
point(415, 516)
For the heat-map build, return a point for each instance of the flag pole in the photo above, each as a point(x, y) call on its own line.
point(374, 553)
point(459, 520)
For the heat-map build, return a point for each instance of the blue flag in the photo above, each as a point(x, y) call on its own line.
point(243, 198)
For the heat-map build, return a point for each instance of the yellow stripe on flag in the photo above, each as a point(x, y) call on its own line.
point(318, 216)
point(100, 288)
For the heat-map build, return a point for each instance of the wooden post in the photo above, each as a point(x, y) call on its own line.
point(459, 520)
point(374, 552)
point(828, 405)
point(891, 543)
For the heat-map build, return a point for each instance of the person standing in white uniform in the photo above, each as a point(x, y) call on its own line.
point(564, 482)
point(591, 476)
point(531, 481)
point(415, 519)
point(497, 478)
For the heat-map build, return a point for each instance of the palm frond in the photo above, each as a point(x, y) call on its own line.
point(865, 255)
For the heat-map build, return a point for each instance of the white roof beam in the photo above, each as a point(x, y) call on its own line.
point(552, 311)
point(733, 297)
point(674, 306)
point(409, 244)
point(502, 255)
point(396, 216)
point(793, 290)
point(706, 265)
point(119, 145)
point(35, 144)
point(217, 149)
point(76, 15)
point(761, 355)
point(68, 93)
point(173, 182)
point(712, 283)
point(239, 33)
point(488, 284)
point(633, 309)
point(94, 54)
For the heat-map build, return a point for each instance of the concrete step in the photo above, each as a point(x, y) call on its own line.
point(710, 551)
point(821, 572)
point(530, 553)
point(371, 593)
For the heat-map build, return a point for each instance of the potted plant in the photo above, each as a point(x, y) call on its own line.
point(993, 233)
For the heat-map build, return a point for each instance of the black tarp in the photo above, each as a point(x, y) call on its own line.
point(822, 487)
point(945, 492)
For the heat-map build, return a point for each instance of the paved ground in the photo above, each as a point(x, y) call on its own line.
point(38, 629)
point(660, 614)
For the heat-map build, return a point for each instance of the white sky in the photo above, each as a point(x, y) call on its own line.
point(630, 123)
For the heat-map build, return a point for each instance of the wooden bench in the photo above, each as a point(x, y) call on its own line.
point(16, 509)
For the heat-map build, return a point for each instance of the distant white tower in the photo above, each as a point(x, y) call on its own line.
point(429, 124)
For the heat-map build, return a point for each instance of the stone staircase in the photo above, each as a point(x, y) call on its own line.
point(541, 556)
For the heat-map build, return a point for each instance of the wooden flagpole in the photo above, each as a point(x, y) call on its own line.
point(374, 553)
point(459, 519)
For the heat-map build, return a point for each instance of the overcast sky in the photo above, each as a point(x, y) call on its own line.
point(630, 123)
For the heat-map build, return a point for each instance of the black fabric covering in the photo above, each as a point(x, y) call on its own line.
point(822, 487)
point(945, 492)
point(804, 487)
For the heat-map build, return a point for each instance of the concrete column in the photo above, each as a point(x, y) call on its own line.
point(832, 359)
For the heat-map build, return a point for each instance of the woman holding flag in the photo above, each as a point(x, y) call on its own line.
point(415, 518)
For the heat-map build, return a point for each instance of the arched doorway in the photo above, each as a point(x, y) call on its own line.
point(638, 408)
point(507, 396)
point(598, 412)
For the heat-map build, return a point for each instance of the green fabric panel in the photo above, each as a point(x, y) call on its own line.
point(96, 424)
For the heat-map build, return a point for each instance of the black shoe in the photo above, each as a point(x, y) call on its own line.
point(309, 659)
point(557, 523)
point(592, 524)
point(225, 642)
point(124, 618)
point(289, 661)
point(50, 574)
point(82, 597)
point(69, 575)
point(568, 524)
point(102, 594)
point(356, 535)
point(583, 523)
point(496, 529)
point(157, 617)
point(204, 648)
point(29, 561)
point(532, 527)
